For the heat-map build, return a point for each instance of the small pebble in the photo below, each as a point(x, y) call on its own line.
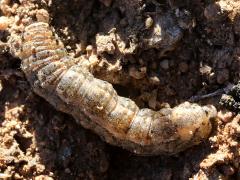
point(153, 99)
point(154, 80)
point(183, 67)
point(217, 11)
point(89, 50)
point(106, 3)
point(222, 76)
point(227, 170)
point(225, 116)
point(164, 64)
point(141, 62)
point(67, 170)
point(148, 22)
point(212, 78)
point(137, 73)
point(1, 87)
point(205, 70)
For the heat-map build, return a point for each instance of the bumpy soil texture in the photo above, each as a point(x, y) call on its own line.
point(157, 52)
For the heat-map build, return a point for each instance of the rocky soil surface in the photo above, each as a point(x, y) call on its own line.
point(157, 52)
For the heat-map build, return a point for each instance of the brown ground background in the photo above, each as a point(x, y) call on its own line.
point(38, 142)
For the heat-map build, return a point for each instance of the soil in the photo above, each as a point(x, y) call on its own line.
point(197, 54)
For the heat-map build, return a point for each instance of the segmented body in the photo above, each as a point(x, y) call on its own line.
point(71, 88)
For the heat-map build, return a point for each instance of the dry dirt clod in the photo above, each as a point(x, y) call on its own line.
point(165, 34)
point(5, 22)
point(42, 16)
point(225, 116)
point(5, 7)
point(105, 44)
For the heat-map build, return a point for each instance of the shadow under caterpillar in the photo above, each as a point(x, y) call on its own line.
point(70, 87)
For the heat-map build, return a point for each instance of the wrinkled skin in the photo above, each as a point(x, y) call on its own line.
point(69, 86)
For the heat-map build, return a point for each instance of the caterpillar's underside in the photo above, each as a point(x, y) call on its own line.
point(71, 88)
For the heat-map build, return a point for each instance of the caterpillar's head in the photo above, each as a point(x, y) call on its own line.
point(193, 122)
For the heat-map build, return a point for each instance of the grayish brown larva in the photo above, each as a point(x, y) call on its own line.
point(70, 87)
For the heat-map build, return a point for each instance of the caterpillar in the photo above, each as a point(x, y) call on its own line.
point(70, 87)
